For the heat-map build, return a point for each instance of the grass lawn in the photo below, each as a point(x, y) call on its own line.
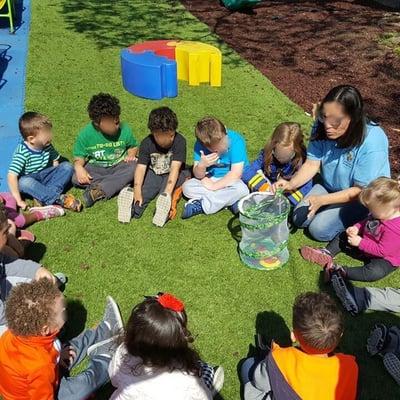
point(74, 53)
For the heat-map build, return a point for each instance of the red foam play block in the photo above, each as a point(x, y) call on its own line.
point(164, 48)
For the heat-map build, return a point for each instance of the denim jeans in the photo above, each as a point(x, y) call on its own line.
point(48, 184)
point(81, 386)
point(330, 220)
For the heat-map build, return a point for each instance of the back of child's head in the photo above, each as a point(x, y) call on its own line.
point(317, 323)
point(103, 105)
point(30, 123)
point(286, 134)
point(381, 192)
point(162, 120)
point(210, 131)
point(30, 307)
point(157, 333)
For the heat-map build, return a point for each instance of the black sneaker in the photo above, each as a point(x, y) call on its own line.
point(344, 294)
point(377, 339)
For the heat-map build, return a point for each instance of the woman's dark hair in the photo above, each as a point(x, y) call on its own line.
point(162, 119)
point(159, 336)
point(350, 99)
point(103, 105)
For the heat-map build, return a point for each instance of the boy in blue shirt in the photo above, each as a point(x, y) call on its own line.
point(219, 159)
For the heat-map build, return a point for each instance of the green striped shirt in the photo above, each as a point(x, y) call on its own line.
point(27, 161)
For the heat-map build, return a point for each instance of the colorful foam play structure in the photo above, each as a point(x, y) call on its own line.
point(148, 75)
point(151, 69)
point(239, 4)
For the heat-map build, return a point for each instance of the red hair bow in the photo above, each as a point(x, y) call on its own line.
point(169, 301)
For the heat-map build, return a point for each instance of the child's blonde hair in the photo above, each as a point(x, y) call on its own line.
point(210, 130)
point(286, 133)
point(381, 191)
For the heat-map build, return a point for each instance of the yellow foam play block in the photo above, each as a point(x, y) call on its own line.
point(198, 63)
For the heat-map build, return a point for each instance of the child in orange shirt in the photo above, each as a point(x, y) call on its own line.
point(31, 354)
point(310, 370)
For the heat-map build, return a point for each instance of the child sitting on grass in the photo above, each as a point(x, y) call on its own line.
point(281, 157)
point(31, 355)
point(156, 360)
point(33, 214)
point(219, 159)
point(160, 170)
point(35, 169)
point(14, 270)
point(310, 370)
point(104, 151)
point(377, 237)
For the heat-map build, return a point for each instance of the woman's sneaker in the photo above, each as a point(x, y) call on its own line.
point(125, 201)
point(163, 206)
point(47, 212)
point(70, 202)
point(344, 294)
point(321, 257)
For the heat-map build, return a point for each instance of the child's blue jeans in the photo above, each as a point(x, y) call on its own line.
point(48, 184)
point(81, 386)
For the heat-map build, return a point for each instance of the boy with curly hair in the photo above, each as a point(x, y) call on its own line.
point(104, 151)
point(31, 355)
point(160, 170)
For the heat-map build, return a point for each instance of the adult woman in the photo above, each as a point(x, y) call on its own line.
point(349, 151)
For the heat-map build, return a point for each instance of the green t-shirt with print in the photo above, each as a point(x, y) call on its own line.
point(103, 150)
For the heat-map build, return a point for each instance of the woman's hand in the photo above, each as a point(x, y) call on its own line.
point(314, 204)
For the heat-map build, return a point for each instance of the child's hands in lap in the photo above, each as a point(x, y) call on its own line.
point(354, 240)
point(352, 231)
point(208, 183)
point(83, 176)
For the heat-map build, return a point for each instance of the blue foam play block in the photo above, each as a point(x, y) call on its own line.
point(148, 75)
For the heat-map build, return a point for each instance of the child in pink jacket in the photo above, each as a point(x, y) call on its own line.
point(377, 238)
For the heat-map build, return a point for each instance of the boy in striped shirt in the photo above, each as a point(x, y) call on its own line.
point(35, 169)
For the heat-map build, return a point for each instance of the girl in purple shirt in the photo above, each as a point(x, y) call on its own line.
point(377, 238)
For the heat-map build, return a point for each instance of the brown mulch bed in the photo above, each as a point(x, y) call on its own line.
point(307, 47)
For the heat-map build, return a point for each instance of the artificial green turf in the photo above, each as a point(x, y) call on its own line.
point(74, 53)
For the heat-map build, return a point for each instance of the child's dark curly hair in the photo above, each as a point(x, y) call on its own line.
point(103, 105)
point(29, 307)
point(162, 119)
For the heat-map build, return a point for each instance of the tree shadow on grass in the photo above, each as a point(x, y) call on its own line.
point(119, 24)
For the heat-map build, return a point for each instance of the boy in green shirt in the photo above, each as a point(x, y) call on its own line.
point(104, 151)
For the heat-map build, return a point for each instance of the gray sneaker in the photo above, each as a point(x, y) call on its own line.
point(112, 317)
point(105, 348)
point(125, 201)
point(392, 365)
point(163, 206)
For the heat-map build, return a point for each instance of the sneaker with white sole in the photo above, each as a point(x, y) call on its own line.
point(125, 201)
point(105, 348)
point(218, 381)
point(112, 317)
point(47, 212)
point(213, 377)
point(163, 206)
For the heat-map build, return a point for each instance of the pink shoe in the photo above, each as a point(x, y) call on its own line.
point(47, 212)
point(23, 234)
point(321, 257)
